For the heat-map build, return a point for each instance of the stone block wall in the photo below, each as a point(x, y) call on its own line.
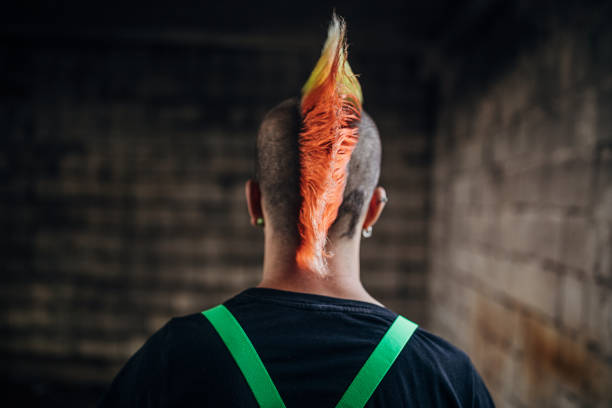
point(521, 228)
point(123, 155)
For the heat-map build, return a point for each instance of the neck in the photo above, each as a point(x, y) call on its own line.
point(342, 279)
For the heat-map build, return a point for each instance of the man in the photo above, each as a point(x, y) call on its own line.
point(309, 335)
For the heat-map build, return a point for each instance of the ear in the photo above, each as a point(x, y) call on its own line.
point(377, 204)
point(253, 198)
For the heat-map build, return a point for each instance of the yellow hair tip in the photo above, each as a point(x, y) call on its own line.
point(334, 55)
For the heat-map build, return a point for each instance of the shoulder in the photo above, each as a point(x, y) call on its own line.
point(165, 366)
point(445, 370)
point(437, 353)
point(186, 338)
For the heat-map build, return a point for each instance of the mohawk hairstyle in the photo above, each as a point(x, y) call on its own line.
point(331, 110)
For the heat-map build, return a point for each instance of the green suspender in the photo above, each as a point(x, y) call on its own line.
point(245, 355)
point(357, 394)
point(377, 365)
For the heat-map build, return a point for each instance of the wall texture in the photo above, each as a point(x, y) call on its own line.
point(521, 229)
point(122, 166)
point(128, 133)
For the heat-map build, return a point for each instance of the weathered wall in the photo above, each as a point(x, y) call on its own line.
point(521, 231)
point(122, 167)
point(124, 151)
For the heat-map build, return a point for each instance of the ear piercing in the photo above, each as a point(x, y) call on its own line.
point(366, 232)
point(259, 221)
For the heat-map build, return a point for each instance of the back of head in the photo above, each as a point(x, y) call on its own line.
point(318, 158)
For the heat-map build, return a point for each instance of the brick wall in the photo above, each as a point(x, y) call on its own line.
point(521, 229)
point(122, 166)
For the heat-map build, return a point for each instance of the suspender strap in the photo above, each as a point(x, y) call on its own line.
point(246, 357)
point(264, 390)
point(377, 365)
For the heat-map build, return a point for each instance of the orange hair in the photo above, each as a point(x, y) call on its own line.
point(331, 110)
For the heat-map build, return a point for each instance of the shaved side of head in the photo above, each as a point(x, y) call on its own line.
point(278, 167)
point(363, 174)
point(278, 171)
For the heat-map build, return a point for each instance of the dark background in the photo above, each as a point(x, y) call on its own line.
point(128, 132)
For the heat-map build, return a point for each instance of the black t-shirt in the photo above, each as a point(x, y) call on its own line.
point(312, 346)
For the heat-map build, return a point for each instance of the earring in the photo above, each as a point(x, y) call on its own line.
point(367, 232)
point(260, 221)
point(383, 200)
